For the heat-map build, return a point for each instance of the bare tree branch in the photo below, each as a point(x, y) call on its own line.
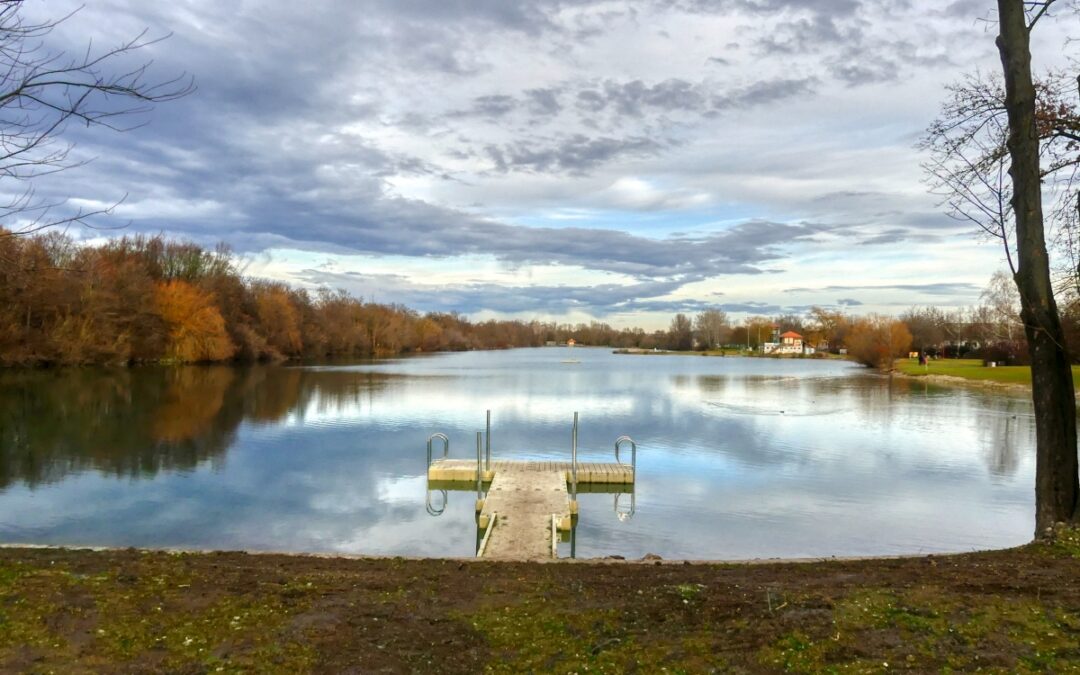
point(43, 90)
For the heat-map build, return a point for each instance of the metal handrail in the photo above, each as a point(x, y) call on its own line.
point(479, 466)
point(633, 451)
point(430, 509)
point(446, 446)
point(487, 444)
point(625, 515)
point(573, 460)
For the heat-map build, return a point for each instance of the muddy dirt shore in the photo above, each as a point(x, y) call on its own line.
point(67, 610)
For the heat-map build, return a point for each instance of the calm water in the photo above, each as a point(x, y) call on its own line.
point(738, 458)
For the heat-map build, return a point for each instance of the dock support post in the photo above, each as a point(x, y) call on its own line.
point(573, 467)
point(487, 449)
point(479, 472)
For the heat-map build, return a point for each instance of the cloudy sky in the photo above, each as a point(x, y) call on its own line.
point(564, 159)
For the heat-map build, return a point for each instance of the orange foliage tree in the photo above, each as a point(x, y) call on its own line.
point(876, 341)
point(278, 318)
point(196, 329)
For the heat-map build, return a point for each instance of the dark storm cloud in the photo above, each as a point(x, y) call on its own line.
point(492, 106)
point(765, 92)
point(817, 33)
point(826, 7)
point(867, 71)
point(285, 144)
point(890, 236)
point(544, 101)
point(600, 299)
point(634, 98)
point(661, 263)
point(573, 154)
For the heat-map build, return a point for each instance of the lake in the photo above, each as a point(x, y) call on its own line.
point(737, 457)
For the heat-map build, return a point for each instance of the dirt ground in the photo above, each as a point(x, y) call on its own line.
point(72, 611)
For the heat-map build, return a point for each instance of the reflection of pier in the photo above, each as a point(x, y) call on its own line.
point(525, 507)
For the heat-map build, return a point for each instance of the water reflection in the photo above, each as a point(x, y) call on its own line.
point(738, 457)
point(137, 422)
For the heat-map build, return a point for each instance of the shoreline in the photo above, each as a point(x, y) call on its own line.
point(648, 559)
point(956, 381)
point(128, 610)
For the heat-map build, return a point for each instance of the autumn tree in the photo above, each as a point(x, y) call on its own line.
point(876, 341)
point(759, 329)
point(828, 326)
point(279, 321)
point(196, 329)
point(927, 328)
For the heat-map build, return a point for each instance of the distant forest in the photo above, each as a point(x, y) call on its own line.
point(150, 299)
point(139, 299)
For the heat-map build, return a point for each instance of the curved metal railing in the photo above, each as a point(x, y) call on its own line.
point(633, 451)
point(446, 446)
point(622, 515)
point(432, 510)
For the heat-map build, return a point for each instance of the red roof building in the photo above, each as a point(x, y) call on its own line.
point(791, 338)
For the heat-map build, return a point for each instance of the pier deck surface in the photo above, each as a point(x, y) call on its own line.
point(519, 508)
point(588, 472)
point(527, 500)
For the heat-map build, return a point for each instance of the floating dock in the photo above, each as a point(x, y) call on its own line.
point(464, 470)
point(524, 506)
point(527, 502)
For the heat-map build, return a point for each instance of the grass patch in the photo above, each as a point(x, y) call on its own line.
point(972, 369)
point(131, 611)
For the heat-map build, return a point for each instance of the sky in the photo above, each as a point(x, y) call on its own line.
point(563, 160)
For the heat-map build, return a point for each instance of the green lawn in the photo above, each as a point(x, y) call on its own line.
point(972, 369)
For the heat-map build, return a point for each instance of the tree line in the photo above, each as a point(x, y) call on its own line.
point(149, 299)
point(991, 330)
point(138, 299)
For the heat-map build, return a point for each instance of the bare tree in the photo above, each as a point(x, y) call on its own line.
point(712, 328)
point(681, 333)
point(969, 159)
point(43, 90)
point(1057, 485)
point(998, 142)
point(1002, 303)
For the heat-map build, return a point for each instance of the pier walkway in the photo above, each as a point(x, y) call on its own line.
point(522, 506)
point(527, 502)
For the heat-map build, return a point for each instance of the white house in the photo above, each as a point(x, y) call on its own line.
point(789, 343)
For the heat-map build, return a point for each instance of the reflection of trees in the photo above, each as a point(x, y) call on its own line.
point(139, 421)
point(1001, 435)
point(711, 384)
point(1002, 427)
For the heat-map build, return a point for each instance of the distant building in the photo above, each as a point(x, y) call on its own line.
point(571, 342)
point(788, 343)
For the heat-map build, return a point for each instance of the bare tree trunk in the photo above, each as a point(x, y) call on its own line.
point(1057, 486)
